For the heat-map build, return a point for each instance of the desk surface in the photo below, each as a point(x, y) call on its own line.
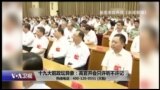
point(98, 48)
point(106, 36)
point(136, 55)
point(17, 85)
point(129, 39)
point(51, 65)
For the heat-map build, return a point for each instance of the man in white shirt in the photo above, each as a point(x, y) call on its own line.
point(64, 25)
point(117, 58)
point(28, 38)
point(78, 52)
point(59, 47)
point(119, 30)
point(37, 24)
point(53, 29)
point(97, 22)
point(130, 26)
point(135, 45)
point(90, 37)
point(34, 23)
point(40, 43)
point(108, 23)
point(127, 22)
point(90, 21)
point(57, 19)
point(74, 21)
point(62, 20)
point(32, 61)
point(83, 18)
point(69, 31)
point(47, 27)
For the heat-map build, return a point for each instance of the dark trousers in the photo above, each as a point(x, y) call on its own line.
point(81, 68)
point(27, 48)
point(124, 83)
point(59, 60)
point(99, 37)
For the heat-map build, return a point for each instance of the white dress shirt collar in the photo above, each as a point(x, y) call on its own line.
point(26, 32)
point(79, 45)
point(120, 53)
point(120, 31)
point(41, 37)
point(59, 38)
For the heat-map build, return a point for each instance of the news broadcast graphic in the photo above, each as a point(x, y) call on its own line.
point(64, 75)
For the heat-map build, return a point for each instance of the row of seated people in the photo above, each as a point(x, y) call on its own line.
point(73, 52)
point(100, 25)
point(94, 21)
point(62, 51)
point(92, 35)
point(76, 54)
point(122, 58)
point(107, 62)
point(30, 41)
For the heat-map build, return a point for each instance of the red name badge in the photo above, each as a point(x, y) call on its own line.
point(38, 46)
point(117, 67)
point(58, 49)
point(76, 57)
point(76, 85)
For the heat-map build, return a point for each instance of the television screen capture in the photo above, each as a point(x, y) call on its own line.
point(80, 45)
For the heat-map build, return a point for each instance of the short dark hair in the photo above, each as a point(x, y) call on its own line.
point(72, 24)
point(122, 23)
point(97, 18)
point(87, 27)
point(75, 19)
point(46, 21)
point(64, 19)
point(38, 21)
point(112, 23)
point(52, 19)
point(32, 61)
point(56, 23)
point(103, 19)
point(81, 34)
point(60, 30)
point(27, 20)
point(91, 27)
point(84, 21)
point(121, 37)
point(137, 20)
point(128, 19)
point(41, 29)
point(27, 25)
